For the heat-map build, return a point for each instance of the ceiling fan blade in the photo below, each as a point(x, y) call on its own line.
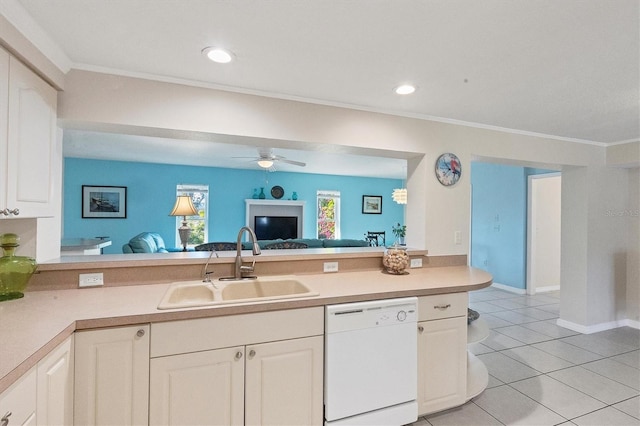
point(295, 163)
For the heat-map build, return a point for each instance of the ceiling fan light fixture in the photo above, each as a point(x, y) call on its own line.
point(218, 54)
point(265, 164)
point(405, 89)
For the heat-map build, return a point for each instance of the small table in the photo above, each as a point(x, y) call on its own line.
point(83, 246)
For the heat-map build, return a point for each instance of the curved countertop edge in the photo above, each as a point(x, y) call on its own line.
point(42, 320)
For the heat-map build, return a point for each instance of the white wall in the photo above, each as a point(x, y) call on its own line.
point(591, 247)
point(633, 254)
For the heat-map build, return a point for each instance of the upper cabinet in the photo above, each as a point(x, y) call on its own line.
point(27, 141)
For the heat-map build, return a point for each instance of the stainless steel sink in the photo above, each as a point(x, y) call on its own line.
point(198, 293)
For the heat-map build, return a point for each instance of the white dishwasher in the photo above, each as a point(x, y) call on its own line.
point(371, 362)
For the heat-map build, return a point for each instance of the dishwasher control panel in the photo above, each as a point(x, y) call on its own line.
point(377, 313)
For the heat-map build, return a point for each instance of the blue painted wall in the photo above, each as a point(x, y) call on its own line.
point(499, 221)
point(151, 192)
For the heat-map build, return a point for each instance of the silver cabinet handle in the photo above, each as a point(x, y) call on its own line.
point(4, 421)
point(238, 354)
point(8, 212)
point(140, 333)
point(420, 328)
point(442, 307)
point(252, 353)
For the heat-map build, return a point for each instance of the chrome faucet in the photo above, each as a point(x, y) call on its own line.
point(241, 270)
point(205, 274)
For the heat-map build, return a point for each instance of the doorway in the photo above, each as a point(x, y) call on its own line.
point(543, 233)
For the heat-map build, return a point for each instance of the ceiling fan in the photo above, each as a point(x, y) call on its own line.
point(266, 159)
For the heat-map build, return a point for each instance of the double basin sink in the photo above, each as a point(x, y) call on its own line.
point(198, 293)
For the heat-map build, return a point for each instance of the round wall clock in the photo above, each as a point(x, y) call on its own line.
point(448, 169)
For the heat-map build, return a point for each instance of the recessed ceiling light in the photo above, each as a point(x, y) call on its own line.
point(405, 89)
point(217, 54)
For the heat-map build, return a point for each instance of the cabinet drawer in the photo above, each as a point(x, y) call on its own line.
point(170, 338)
point(442, 306)
point(20, 400)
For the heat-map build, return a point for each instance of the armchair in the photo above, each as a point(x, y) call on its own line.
point(145, 242)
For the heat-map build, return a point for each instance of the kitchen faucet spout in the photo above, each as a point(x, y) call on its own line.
point(241, 271)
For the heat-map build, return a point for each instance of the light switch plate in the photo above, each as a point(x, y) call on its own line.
point(91, 280)
point(416, 263)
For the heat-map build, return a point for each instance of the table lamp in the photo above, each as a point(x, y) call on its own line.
point(184, 207)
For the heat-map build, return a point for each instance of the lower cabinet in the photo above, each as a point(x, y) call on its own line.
point(256, 369)
point(442, 352)
point(18, 403)
point(198, 388)
point(112, 376)
point(44, 395)
point(278, 383)
point(284, 382)
point(55, 386)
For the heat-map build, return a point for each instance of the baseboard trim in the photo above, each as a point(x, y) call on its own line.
point(509, 288)
point(590, 329)
point(547, 289)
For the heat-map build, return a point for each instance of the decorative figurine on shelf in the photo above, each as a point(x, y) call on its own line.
point(255, 194)
point(15, 271)
point(294, 196)
point(262, 196)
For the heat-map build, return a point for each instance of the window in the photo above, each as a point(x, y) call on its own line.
point(328, 219)
point(198, 223)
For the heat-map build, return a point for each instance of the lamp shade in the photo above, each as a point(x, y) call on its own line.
point(400, 195)
point(265, 164)
point(183, 207)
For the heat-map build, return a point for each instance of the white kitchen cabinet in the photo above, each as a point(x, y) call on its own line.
point(284, 382)
point(55, 386)
point(442, 352)
point(28, 152)
point(112, 376)
point(198, 388)
point(260, 368)
point(44, 395)
point(18, 403)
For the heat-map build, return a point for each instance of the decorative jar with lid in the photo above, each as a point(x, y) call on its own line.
point(396, 260)
point(15, 271)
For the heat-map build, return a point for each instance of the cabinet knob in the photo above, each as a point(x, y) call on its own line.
point(442, 307)
point(238, 354)
point(140, 333)
point(4, 421)
point(252, 353)
point(420, 328)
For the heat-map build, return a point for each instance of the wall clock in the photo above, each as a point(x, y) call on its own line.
point(448, 169)
point(277, 192)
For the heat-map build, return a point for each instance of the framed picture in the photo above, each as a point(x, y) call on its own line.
point(372, 204)
point(104, 202)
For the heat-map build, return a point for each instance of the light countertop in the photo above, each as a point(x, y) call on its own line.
point(32, 326)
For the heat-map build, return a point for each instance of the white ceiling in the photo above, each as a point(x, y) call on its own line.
point(568, 69)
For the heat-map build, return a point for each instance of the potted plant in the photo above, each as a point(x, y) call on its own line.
point(400, 231)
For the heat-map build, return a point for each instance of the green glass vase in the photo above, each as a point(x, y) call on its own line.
point(15, 271)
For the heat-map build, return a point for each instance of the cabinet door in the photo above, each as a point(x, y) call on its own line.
point(112, 376)
point(284, 382)
point(4, 105)
point(31, 143)
point(20, 401)
point(55, 386)
point(442, 364)
point(200, 388)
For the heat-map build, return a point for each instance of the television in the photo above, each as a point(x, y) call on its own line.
point(274, 227)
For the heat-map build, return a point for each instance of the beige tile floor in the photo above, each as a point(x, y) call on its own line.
point(543, 374)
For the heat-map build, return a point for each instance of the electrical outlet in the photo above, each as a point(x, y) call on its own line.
point(457, 237)
point(416, 263)
point(91, 280)
point(330, 266)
